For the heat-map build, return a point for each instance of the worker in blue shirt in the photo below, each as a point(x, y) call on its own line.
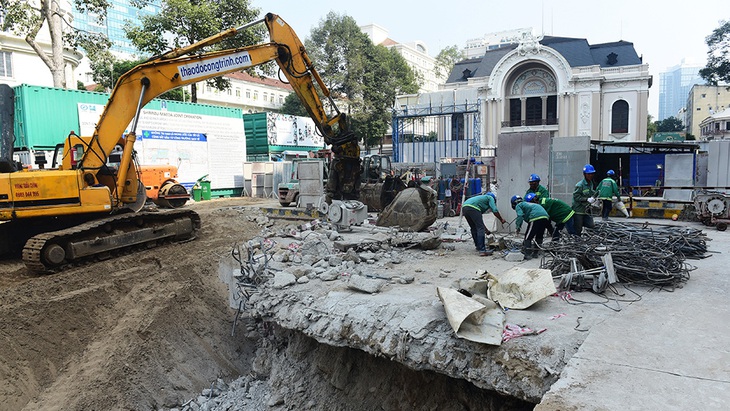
point(472, 210)
point(538, 221)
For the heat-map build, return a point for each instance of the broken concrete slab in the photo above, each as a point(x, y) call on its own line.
point(360, 283)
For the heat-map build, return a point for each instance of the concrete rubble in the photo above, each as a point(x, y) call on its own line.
point(374, 290)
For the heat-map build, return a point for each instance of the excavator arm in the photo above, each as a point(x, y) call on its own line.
point(178, 68)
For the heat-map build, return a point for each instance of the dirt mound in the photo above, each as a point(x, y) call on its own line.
point(141, 331)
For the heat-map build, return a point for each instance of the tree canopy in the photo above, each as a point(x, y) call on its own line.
point(446, 59)
point(364, 76)
point(718, 55)
point(293, 106)
point(669, 124)
point(182, 22)
point(26, 19)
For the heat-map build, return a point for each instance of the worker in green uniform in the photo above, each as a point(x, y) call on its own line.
point(607, 191)
point(584, 195)
point(472, 210)
point(536, 188)
point(559, 212)
point(538, 221)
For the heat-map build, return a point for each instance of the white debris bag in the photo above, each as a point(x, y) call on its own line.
point(519, 288)
point(471, 319)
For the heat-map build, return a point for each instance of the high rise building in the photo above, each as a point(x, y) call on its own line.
point(118, 14)
point(674, 87)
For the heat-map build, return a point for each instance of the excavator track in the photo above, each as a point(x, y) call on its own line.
point(52, 251)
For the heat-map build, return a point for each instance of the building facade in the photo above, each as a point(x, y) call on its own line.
point(716, 127)
point(414, 53)
point(674, 86)
point(702, 102)
point(250, 94)
point(563, 86)
point(20, 64)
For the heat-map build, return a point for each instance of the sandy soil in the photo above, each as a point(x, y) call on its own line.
point(141, 331)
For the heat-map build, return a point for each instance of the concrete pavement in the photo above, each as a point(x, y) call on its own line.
point(670, 351)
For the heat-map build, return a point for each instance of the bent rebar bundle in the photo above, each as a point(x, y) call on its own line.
point(645, 254)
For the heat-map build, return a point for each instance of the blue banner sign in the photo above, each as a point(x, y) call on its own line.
point(173, 135)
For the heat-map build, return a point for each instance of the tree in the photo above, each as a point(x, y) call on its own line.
point(446, 59)
point(184, 22)
point(650, 127)
point(669, 124)
point(368, 77)
point(293, 106)
point(718, 55)
point(26, 19)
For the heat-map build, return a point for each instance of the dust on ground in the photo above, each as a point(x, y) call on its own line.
point(140, 331)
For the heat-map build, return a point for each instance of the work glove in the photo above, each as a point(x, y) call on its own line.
point(614, 199)
point(591, 200)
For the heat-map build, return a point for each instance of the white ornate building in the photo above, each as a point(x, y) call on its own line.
point(564, 86)
point(716, 126)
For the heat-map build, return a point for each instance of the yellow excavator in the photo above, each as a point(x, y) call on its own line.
point(88, 208)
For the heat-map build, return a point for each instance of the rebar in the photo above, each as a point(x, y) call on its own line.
point(645, 254)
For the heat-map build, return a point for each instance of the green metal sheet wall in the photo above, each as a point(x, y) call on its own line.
point(45, 115)
point(257, 135)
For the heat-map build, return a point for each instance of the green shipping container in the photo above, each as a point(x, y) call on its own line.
point(44, 116)
point(258, 148)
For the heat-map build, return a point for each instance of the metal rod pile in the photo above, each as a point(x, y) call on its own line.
point(642, 254)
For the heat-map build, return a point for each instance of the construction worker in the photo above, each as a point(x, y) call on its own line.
point(538, 221)
point(456, 187)
point(472, 209)
point(584, 195)
point(559, 211)
point(607, 191)
point(536, 188)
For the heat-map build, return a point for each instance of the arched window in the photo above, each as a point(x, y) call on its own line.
point(620, 117)
point(532, 98)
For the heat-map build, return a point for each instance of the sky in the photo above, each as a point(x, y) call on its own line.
point(663, 32)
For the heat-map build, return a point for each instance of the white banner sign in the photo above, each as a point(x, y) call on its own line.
point(197, 144)
point(288, 130)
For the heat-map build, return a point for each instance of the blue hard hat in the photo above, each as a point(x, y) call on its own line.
point(588, 169)
point(515, 200)
point(491, 194)
point(610, 173)
point(533, 178)
point(529, 197)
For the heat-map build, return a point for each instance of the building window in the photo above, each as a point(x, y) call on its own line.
point(457, 126)
point(248, 93)
point(229, 92)
point(6, 64)
point(704, 95)
point(620, 117)
point(281, 99)
point(238, 92)
point(515, 112)
point(207, 89)
point(533, 111)
point(255, 95)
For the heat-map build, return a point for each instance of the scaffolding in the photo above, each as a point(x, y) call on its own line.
point(426, 132)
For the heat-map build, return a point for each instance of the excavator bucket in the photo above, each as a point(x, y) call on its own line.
point(413, 209)
point(377, 196)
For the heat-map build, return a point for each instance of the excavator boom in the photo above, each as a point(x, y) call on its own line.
point(74, 198)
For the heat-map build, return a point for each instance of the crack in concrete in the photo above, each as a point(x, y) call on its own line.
point(655, 370)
